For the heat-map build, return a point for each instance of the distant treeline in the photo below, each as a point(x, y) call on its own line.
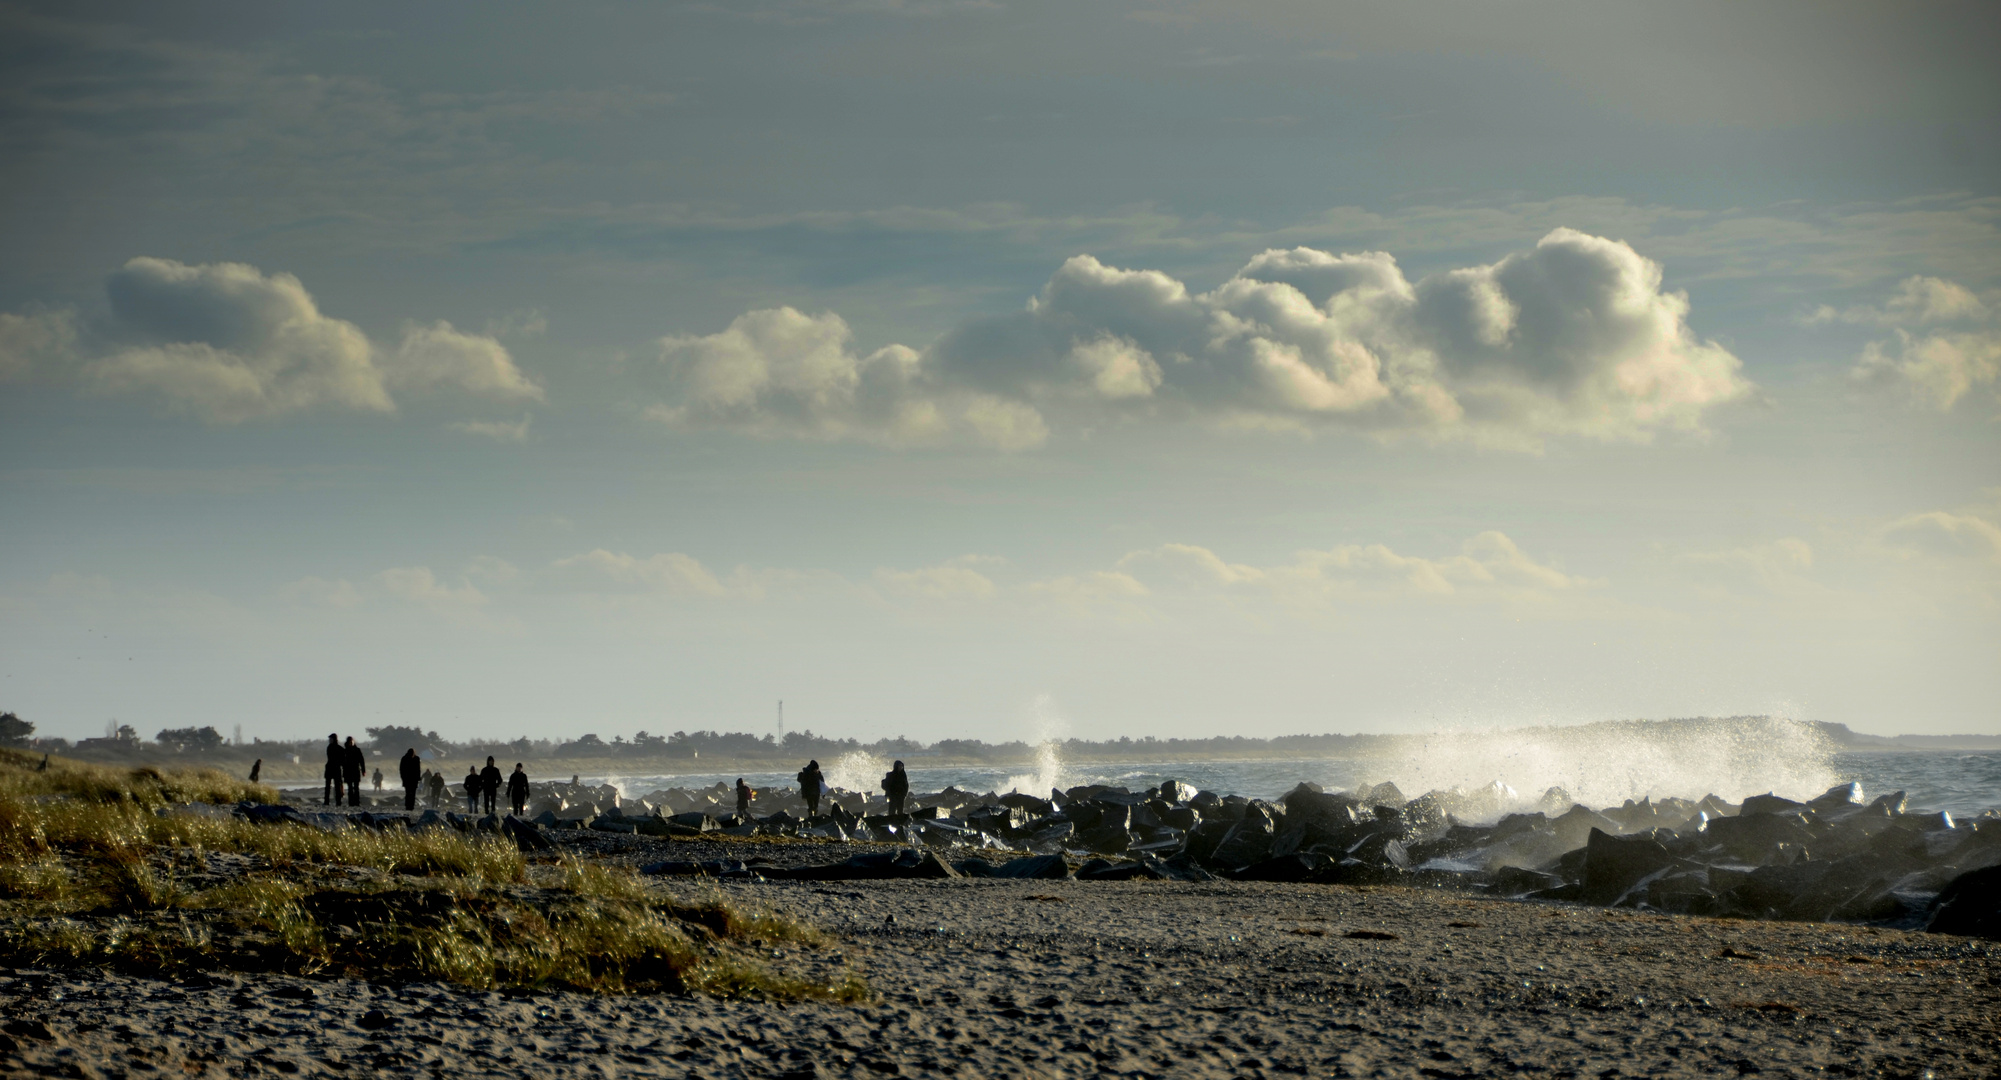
point(720, 748)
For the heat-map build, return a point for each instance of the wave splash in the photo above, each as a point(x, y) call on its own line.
point(1605, 764)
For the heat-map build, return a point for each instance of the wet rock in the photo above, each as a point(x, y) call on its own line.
point(1248, 841)
point(1034, 867)
point(1106, 870)
point(696, 820)
point(1768, 804)
point(1174, 791)
point(1756, 838)
point(1520, 881)
point(1614, 864)
point(1296, 867)
point(1969, 905)
point(1034, 806)
point(526, 835)
point(1837, 796)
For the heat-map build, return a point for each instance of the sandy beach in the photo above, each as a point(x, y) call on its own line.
point(1068, 978)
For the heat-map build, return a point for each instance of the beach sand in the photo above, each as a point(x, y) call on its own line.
point(1066, 978)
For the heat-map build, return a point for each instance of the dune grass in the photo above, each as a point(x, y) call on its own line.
point(98, 868)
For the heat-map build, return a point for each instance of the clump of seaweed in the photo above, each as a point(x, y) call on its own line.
point(89, 876)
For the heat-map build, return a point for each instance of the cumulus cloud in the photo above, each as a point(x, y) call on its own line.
point(229, 343)
point(418, 585)
point(34, 340)
point(671, 573)
point(782, 372)
point(321, 592)
point(1940, 532)
point(1489, 564)
point(954, 580)
point(1575, 336)
point(497, 430)
point(1947, 342)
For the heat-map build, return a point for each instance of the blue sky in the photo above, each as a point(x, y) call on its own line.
point(1186, 368)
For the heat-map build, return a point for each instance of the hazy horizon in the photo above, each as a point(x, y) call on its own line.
point(961, 368)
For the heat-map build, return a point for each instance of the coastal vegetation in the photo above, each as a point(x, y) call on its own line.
point(141, 870)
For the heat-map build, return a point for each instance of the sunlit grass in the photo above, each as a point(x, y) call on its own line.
point(95, 865)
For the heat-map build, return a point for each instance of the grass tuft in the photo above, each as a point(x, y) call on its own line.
point(99, 867)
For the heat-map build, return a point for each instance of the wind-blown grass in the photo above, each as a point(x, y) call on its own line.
point(97, 868)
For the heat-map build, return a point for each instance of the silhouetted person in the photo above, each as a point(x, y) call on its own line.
point(896, 785)
point(378, 778)
point(743, 796)
point(336, 761)
point(437, 788)
point(44, 766)
point(517, 789)
point(412, 770)
point(489, 783)
point(256, 767)
point(474, 786)
point(811, 783)
point(355, 761)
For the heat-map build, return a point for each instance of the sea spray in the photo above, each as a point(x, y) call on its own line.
point(1046, 729)
point(856, 770)
point(1605, 764)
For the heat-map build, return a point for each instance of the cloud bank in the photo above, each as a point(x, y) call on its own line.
point(1574, 337)
point(229, 343)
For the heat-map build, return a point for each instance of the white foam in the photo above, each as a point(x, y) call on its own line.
point(1046, 727)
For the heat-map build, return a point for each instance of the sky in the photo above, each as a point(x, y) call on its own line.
point(998, 369)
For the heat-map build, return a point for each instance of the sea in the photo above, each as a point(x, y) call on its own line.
point(1516, 769)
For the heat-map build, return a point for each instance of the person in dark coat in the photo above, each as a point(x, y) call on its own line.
point(743, 796)
point(356, 760)
point(437, 789)
point(517, 789)
point(474, 786)
point(412, 770)
point(811, 783)
point(256, 768)
point(896, 785)
point(336, 761)
point(489, 783)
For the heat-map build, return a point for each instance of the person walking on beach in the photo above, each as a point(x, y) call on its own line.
point(378, 779)
point(474, 785)
point(489, 783)
point(896, 785)
point(517, 789)
point(438, 786)
point(810, 785)
point(412, 770)
point(336, 761)
point(256, 767)
point(351, 768)
point(743, 796)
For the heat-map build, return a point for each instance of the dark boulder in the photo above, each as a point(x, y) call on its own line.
point(1174, 791)
point(1969, 905)
point(1106, 870)
point(1299, 867)
point(1034, 867)
point(1247, 842)
point(1768, 804)
point(1757, 838)
point(1184, 818)
point(1849, 794)
point(1520, 881)
point(695, 820)
point(1614, 864)
point(1034, 806)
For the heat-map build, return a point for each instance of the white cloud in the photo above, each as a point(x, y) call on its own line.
point(781, 372)
point(418, 585)
point(1489, 565)
point(497, 430)
point(440, 357)
point(35, 340)
point(1574, 337)
point(1947, 342)
point(1940, 532)
point(954, 580)
point(671, 573)
point(320, 592)
point(229, 343)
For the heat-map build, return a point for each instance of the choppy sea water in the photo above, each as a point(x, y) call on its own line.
point(1960, 782)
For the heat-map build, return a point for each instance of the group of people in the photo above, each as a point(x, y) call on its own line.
point(813, 786)
point(483, 786)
